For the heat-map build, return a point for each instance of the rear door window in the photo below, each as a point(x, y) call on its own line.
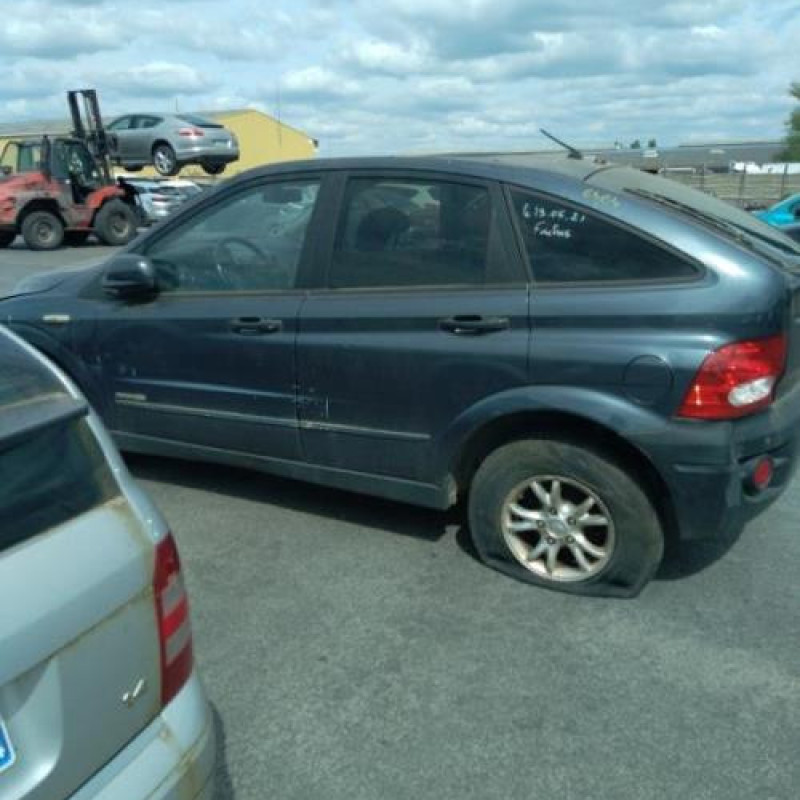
point(49, 477)
point(569, 244)
point(408, 232)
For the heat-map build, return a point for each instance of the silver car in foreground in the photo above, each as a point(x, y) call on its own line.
point(98, 694)
point(170, 141)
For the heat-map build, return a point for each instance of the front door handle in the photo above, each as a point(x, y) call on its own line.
point(255, 326)
point(473, 324)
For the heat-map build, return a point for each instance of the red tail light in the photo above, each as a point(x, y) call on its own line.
point(174, 627)
point(736, 380)
point(194, 133)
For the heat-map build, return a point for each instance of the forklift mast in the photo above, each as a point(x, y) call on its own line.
point(87, 125)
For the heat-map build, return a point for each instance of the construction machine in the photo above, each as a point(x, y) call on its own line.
point(59, 189)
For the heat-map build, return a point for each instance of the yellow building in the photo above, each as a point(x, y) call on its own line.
point(262, 139)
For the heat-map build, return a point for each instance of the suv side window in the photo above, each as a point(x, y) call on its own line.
point(398, 232)
point(248, 241)
point(567, 244)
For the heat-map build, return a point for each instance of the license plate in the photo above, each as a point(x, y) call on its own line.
point(7, 754)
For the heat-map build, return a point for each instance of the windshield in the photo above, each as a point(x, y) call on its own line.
point(699, 205)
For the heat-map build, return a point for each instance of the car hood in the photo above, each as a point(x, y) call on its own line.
point(68, 281)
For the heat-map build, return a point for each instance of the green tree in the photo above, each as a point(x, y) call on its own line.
point(636, 145)
point(792, 151)
point(652, 143)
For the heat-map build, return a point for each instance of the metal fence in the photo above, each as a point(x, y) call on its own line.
point(743, 189)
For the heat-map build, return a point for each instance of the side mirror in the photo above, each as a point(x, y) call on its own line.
point(129, 275)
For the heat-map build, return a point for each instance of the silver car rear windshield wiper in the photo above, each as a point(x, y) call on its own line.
point(745, 236)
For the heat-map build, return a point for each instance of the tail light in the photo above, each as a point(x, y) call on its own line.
point(174, 627)
point(736, 380)
point(193, 133)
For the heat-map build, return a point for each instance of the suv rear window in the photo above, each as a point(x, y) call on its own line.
point(49, 477)
point(567, 244)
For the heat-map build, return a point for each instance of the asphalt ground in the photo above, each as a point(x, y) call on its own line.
point(355, 649)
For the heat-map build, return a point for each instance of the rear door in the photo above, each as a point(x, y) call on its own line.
point(77, 624)
point(141, 137)
point(124, 135)
point(424, 313)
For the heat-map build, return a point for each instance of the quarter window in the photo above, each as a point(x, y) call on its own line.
point(567, 244)
point(397, 232)
point(249, 241)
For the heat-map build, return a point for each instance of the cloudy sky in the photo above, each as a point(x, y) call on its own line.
point(368, 76)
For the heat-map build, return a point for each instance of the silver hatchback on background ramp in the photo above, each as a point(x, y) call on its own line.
point(170, 141)
point(98, 695)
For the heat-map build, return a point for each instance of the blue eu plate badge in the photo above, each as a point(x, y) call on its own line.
point(7, 755)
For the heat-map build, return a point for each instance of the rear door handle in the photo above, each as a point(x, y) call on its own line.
point(473, 324)
point(255, 326)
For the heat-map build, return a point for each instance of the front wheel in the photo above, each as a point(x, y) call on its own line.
point(115, 223)
point(42, 230)
point(565, 517)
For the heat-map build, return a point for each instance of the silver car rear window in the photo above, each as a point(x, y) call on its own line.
point(49, 477)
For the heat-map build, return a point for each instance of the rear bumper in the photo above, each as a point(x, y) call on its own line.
point(707, 465)
point(170, 759)
point(218, 154)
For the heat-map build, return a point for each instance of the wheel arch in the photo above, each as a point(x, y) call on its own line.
point(159, 142)
point(565, 425)
point(40, 204)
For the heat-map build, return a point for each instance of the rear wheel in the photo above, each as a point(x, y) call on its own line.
point(565, 517)
point(6, 237)
point(76, 238)
point(42, 230)
point(213, 167)
point(164, 160)
point(115, 223)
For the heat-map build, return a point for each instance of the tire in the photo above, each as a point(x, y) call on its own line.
point(617, 558)
point(164, 160)
point(136, 168)
point(42, 230)
point(213, 167)
point(76, 238)
point(6, 238)
point(115, 223)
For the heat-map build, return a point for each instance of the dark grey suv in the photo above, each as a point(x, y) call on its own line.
point(594, 358)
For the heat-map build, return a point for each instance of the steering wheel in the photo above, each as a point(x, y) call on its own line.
point(225, 260)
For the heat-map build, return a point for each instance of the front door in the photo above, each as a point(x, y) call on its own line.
point(424, 313)
point(210, 361)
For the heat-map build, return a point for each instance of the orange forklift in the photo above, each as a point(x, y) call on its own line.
point(57, 190)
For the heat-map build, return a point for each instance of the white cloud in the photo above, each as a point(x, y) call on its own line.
point(159, 78)
point(407, 75)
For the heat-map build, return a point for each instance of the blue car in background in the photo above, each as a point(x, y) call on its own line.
point(787, 212)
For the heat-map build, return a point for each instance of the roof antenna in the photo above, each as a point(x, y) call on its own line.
point(573, 152)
